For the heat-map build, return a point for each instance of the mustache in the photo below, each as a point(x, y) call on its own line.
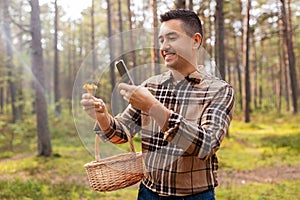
point(166, 51)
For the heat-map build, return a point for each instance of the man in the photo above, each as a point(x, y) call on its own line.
point(182, 115)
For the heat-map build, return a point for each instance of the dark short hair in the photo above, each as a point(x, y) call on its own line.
point(191, 22)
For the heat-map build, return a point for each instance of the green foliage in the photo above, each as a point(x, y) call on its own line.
point(15, 138)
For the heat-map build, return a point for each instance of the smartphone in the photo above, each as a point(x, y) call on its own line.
point(123, 71)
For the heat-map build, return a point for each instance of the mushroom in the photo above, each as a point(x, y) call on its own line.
point(90, 87)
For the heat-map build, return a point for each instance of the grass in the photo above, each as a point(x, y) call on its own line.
point(36, 190)
point(259, 191)
point(265, 142)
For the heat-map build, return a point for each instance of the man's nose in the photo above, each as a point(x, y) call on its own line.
point(165, 45)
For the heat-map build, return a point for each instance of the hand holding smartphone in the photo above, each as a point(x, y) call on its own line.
point(123, 71)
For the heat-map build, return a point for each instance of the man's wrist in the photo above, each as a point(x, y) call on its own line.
point(104, 122)
point(160, 114)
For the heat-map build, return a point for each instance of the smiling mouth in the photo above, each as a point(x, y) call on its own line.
point(168, 54)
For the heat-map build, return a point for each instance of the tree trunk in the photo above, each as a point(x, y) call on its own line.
point(16, 116)
point(239, 73)
point(109, 34)
point(155, 51)
point(289, 46)
point(210, 32)
point(285, 71)
point(190, 4)
point(254, 71)
point(260, 72)
point(20, 92)
point(44, 143)
point(246, 91)
point(279, 81)
point(1, 73)
point(68, 63)
point(93, 36)
point(121, 29)
point(219, 43)
point(179, 4)
point(56, 64)
point(131, 42)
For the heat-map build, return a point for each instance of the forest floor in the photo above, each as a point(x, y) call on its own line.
point(259, 160)
point(226, 177)
point(259, 175)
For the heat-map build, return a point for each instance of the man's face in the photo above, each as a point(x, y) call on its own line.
point(176, 47)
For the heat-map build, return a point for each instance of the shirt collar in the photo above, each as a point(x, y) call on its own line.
point(166, 77)
point(194, 77)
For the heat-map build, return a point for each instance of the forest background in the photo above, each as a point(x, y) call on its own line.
point(46, 53)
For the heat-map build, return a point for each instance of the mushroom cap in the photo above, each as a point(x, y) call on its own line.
point(88, 86)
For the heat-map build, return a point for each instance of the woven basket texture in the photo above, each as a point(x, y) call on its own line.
point(116, 172)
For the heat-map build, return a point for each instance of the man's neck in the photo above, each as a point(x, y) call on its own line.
point(179, 75)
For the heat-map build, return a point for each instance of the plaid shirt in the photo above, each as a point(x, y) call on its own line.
point(182, 160)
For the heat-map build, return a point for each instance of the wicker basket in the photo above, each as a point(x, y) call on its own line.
point(115, 172)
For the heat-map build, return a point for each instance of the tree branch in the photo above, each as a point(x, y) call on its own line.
point(20, 26)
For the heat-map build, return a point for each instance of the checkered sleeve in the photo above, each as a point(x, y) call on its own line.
point(128, 121)
point(204, 138)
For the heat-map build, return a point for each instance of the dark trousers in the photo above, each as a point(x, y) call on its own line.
point(147, 194)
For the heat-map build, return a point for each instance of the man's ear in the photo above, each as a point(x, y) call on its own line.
point(197, 40)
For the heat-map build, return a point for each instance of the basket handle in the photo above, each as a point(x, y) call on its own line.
point(97, 138)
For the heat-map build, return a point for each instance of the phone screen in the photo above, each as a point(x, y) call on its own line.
point(123, 71)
